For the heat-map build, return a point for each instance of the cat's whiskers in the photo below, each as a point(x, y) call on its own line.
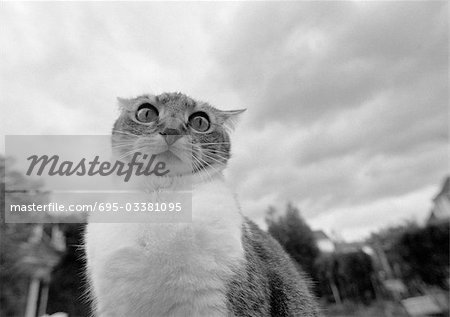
point(214, 143)
point(119, 146)
point(124, 155)
point(132, 143)
point(202, 165)
point(199, 168)
point(125, 133)
point(211, 166)
point(197, 165)
point(207, 150)
point(204, 173)
point(132, 151)
point(217, 159)
point(181, 154)
point(214, 151)
point(209, 170)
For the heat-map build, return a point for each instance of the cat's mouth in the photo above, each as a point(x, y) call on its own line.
point(176, 163)
point(169, 157)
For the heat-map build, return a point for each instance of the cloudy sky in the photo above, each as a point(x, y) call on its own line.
point(347, 101)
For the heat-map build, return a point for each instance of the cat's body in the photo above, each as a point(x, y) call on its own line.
point(221, 264)
point(172, 269)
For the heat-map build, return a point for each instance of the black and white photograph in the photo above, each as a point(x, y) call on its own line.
point(224, 158)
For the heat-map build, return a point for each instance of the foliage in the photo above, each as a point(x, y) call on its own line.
point(425, 254)
point(374, 309)
point(387, 237)
point(351, 273)
point(296, 237)
point(66, 289)
point(416, 254)
point(13, 282)
point(68, 282)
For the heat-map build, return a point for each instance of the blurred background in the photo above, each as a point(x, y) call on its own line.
point(342, 155)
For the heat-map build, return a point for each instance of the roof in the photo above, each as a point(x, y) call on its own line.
point(320, 235)
point(445, 190)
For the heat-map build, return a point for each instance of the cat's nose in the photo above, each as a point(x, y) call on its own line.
point(171, 135)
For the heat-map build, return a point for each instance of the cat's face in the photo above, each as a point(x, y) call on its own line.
point(188, 135)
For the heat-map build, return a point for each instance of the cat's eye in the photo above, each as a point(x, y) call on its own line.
point(146, 113)
point(199, 121)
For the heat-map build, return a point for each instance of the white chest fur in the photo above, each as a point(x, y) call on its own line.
point(179, 269)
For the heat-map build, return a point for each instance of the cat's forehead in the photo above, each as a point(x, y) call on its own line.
point(177, 100)
point(172, 103)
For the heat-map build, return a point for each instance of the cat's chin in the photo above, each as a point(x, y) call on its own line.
point(204, 174)
point(169, 158)
point(192, 176)
point(175, 166)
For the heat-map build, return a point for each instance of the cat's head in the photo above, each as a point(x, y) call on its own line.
point(189, 136)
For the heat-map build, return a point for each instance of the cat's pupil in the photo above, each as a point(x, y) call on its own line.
point(146, 113)
point(199, 122)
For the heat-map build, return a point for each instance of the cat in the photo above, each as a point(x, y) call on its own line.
point(221, 263)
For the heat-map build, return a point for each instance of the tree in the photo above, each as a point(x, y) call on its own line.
point(295, 236)
point(68, 284)
point(383, 242)
point(346, 276)
point(425, 253)
point(13, 281)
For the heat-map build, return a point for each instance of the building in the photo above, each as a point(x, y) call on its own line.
point(324, 243)
point(440, 211)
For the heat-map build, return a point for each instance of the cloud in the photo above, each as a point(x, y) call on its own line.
point(82, 55)
point(348, 107)
point(317, 66)
point(347, 101)
point(361, 220)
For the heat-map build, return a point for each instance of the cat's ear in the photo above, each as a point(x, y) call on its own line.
point(229, 118)
point(124, 104)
